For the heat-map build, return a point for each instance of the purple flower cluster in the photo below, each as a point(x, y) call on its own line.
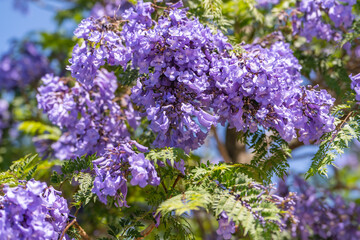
point(262, 88)
point(4, 116)
point(226, 226)
point(90, 118)
point(114, 167)
point(21, 67)
point(190, 79)
point(176, 50)
point(355, 85)
point(312, 114)
point(102, 43)
point(110, 8)
point(176, 92)
point(311, 23)
point(33, 211)
point(322, 214)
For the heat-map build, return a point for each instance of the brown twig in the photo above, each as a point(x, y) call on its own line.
point(151, 227)
point(77, 211)
point(221, 146)
point(146, 231)
point(338, 127)
point(165, 189)
point(82, 232)
point(176, 180)
point(67, 228)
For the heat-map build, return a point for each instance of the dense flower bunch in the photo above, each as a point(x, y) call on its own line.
point(311, 109)
point(177, 91)
point(109, 8)
point(90, 117)
point(355, 85)
point(322, 214)
point(253, 88)
point(18, 68)
point(115, 167)
point(4, 116)
point(87, 58)
point(311, 23)
point(32, 211)
point(187, 73)
point(262, 88)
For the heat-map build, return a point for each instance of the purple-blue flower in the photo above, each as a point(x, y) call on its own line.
point(32, 211)
point(114, 167)
point(226, 226)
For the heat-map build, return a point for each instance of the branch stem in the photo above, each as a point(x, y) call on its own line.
point(221, 147)
point(67, 228)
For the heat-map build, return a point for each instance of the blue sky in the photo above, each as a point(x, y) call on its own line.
point(15, 24)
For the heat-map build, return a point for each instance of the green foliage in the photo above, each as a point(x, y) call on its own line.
point(167, 155)
point(125, 228)
point(176, 228)
point(333, 144)
point(74, 12)
point(210, 12)
point(251, 4)
point(352, 35)
point(188, 201)
point(73, 233)
point(224, 188)
point(270, 154)
point(84, 195)
point(59, 45)
point(73, 170)
point(22, 169)
point(76, 165)
point(330, 70)
point(38, 128)
point(125, 78)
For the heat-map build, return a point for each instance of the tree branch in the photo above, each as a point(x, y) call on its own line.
point(67, 228)
point(82, 232)
point(146, 231)
point(221, 147)
point(151, 227)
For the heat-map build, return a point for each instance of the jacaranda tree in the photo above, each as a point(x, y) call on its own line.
point(115, 129)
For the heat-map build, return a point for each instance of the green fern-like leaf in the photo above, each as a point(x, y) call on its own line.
point(352, 35)
point(78, 164)
point(8, 178)
point(186, 202)
point(347, 122)
point(171, 155)
point(334, 144)
point(22, 169)
point(38, 128)
point(84, 195)
point(270, 154)
point(224, 188)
